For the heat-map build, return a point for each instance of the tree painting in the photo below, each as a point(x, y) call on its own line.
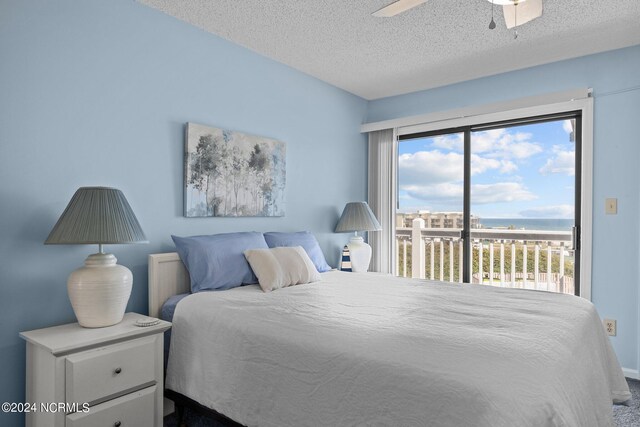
point(230, 173)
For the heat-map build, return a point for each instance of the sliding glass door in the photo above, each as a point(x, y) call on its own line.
point(431, 204)
point(495, 204)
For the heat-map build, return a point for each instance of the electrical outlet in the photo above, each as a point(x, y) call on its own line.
point(610, 326)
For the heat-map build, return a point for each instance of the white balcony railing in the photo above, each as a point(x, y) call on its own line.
point(528, 259)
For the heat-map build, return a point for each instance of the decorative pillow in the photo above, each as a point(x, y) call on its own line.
point(281, 267)
point(217, 261)
point(302, 238)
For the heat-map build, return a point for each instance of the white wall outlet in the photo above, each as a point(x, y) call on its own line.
point(611, 206)
point(610, 326)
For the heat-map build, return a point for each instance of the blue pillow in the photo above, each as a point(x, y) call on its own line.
point(217, 261)
point(302, 238)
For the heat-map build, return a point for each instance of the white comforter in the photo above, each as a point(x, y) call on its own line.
point(374, 350)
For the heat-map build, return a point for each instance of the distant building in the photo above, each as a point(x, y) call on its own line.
point(435, 219)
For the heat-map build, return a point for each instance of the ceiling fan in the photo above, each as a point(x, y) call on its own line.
point(516, 12)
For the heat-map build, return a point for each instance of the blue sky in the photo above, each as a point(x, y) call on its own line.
point(519, 172)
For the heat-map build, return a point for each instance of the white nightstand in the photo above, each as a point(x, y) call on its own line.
point(117, 371)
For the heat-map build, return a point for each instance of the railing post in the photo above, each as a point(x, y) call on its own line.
point(480, 263)
point(397, 269)
point(460, 258)
point(536, 266)
point(404, 257)
point(432, 258)
point(562, 260)
point(491, 263)
point(524, 265)
point(417, 250)
point(451, 260)
point(502, 263)
point(561, 279)
point(513, 264)
point(549, 255)
point(441, 260)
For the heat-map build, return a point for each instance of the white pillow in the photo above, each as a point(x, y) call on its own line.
point(281, 267)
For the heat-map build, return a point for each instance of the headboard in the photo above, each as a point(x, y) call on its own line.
point(167, 277)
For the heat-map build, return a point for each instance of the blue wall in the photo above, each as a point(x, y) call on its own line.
point(97, 92)
point(615, 79)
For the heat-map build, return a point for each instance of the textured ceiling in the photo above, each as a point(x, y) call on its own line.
point(435, 44)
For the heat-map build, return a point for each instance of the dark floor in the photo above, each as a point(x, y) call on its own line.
point(624, 416)
point(629, 415)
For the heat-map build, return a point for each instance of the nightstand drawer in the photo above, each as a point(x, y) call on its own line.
point(97, 375)
point(131, 410)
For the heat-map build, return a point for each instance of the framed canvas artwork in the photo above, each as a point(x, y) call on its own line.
point(230, 173)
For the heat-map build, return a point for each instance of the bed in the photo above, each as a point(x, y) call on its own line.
point(370, 349)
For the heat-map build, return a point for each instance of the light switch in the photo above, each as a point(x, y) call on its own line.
point(611, 206)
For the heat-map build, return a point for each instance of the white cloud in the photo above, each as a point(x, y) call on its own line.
point(495, 143)
point(562, 162)
point(507, 166)
point(483, 164)
point(436, 175)
point(499, 143)
point(481, 194)
point(500, 192)
point(446, 191)
point(453, 142)
point(482, 142)
point(558, 211)
point(432, 167)
point(520, 150)
point(429, 167)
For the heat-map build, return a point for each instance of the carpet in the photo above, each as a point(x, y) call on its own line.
point(624, 415)
point(629, 415)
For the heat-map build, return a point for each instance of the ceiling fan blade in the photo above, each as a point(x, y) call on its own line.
point(397, 7)
point(504, 2)
point(526, 11)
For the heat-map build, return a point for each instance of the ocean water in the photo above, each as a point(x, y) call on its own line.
point(551, 224)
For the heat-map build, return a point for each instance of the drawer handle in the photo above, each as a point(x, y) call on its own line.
point(117, 371)
point(117, 424)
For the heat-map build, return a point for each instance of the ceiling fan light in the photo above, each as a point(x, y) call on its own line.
point(525, 12)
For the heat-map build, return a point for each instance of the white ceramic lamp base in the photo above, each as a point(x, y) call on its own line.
point(360, 253)
point(99, 291)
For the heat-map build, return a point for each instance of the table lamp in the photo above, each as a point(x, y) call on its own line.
point(357, 216)
point(100, 290)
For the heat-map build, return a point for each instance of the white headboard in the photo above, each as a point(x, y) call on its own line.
point(167, 277)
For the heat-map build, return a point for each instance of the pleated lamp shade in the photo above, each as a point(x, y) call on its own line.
point(357, 216)
point(97, 215)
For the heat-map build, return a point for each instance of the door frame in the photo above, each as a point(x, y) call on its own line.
point(458, 119)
